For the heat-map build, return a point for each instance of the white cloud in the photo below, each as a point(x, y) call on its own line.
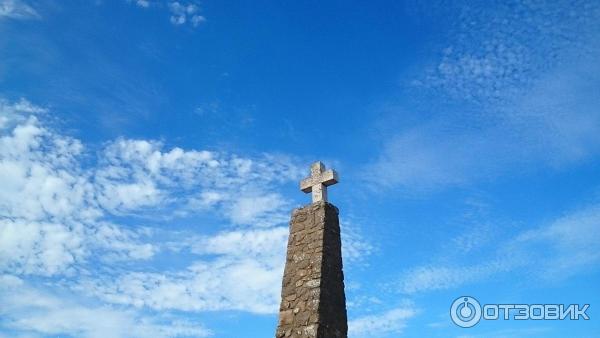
point(355, 247)
point(43, 196)
point(554, 127)
point(247, 209)
point(29, 247)
point(57, 221)
point(143, 3)
point(121, 244)
point(138, 175)
point(244, 243)
point(428, 278)
point(58, 208)
point(245, 275)
point(392, 321)
point(499, 50)
point(518, 89)
point(567, 246)
point(38, 311)
point(185, 12)
point(181, 12)
point(40, 175)
point(43, 177)
point(48, 210)
point(423, 159)
point(17, 9)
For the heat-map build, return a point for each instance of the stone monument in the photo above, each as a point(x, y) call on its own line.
point(313, 303)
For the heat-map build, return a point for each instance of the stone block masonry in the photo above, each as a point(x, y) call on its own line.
point(313, 303)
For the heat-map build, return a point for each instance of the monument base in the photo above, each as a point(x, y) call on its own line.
point(313, 303)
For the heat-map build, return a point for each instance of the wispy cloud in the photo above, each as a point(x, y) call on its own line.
point(17, 9)
point(138, 175)
point(496, 51)
point(520, 86)
point(356, 248)
point(36, 310)
point(142, 3)
point(185, 12)
point(244, 274)
point(391, 321)
point(60, 214)
point(566, 246)
point(59, 219)
point(436, 277)
point(213, 281)
point(181, 12)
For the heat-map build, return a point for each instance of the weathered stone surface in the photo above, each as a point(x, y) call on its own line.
point(318, 181)
point(313, 303)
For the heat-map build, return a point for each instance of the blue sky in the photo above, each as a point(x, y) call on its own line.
point(150, 154)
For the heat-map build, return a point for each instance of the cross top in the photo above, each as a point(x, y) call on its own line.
point(318, 181)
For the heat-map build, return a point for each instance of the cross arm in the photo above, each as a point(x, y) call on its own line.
point(306, 184)
point(330, 177)
point(326, 178)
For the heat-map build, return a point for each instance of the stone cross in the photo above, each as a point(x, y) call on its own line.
point(318, 181)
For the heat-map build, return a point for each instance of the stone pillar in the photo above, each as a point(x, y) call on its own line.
point(313, 303)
